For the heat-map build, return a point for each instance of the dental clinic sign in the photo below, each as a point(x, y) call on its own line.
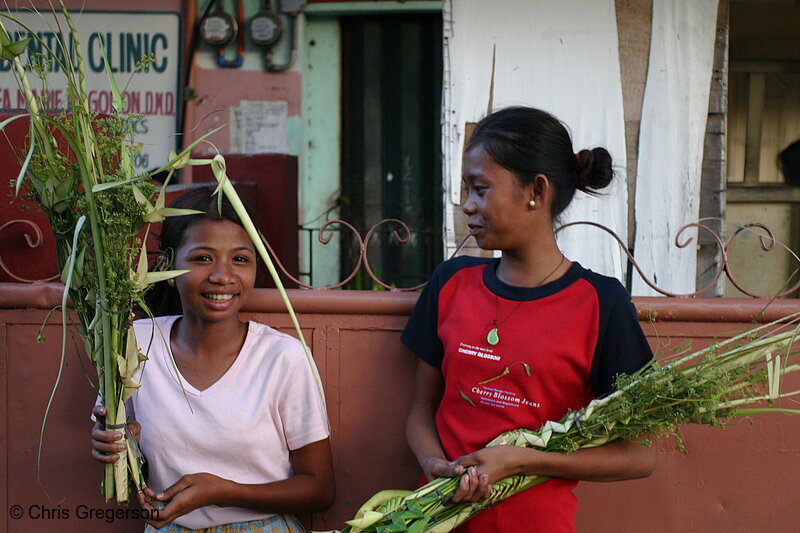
point(151, 95)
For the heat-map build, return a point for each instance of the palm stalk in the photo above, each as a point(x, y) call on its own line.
point(87, 177)
point(226, 187)
point(710, 386)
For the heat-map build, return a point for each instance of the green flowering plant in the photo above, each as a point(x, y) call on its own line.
point(78, 169)
point(738, 377)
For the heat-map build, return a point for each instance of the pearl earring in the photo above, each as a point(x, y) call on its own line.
point(171, 282)
point(532, 204)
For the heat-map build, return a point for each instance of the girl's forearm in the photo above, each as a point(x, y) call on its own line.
point(300, 494)
point(617, 461)
point(311, 489)
point(421, 434)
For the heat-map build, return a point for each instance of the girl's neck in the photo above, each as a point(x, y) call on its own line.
point(209, 339)
point(533, 266)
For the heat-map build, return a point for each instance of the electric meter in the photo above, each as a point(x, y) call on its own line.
point(218, 28)
point(266, 28)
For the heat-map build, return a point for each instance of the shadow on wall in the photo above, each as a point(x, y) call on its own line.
point(789, 163)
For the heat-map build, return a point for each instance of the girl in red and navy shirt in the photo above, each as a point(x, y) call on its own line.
point(516, 341)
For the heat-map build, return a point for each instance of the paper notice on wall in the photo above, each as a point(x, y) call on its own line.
point(259, 128)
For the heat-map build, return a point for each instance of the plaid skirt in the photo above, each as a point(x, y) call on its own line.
point(273, 524)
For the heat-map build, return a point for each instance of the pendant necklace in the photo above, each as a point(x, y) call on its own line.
point(493, 337)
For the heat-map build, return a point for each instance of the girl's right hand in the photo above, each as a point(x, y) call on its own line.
point(473, 487)
point(105, 444)
point(439, 467)
point(190, 492)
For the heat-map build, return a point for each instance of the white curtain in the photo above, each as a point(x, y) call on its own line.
point(672, 131)
point(562, 57)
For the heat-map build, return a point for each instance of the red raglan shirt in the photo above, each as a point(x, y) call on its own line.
point(560, 345)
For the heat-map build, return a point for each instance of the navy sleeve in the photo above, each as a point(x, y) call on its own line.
point(421, 334)
point(622, 347)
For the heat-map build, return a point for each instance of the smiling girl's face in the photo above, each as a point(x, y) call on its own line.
point(222, 269)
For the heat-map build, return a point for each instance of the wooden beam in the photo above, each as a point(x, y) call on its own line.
point(755, 116)
point(763, 194)
point(771, 67)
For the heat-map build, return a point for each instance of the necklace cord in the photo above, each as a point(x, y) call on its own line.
point(494, 335)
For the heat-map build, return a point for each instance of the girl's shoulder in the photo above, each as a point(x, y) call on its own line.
point(609, 289)
point(266, 332)
point(158, 320)
point(150, 328)
point(447, 269)
point(263, 338)
point(463, 261)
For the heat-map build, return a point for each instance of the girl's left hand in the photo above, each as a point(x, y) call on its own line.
point(187, 494)
point(483, 468)
point(615, 461)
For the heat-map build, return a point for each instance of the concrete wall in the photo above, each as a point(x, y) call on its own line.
point(738, 480)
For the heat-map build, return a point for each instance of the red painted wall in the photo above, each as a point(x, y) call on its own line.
point(273, 199)
point(740, 480)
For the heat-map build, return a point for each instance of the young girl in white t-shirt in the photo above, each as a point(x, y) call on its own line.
point(234, 431)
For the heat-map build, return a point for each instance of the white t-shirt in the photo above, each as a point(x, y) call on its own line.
point(240, 428)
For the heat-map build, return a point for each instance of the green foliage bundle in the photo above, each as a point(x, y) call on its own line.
point(78, 168)
point(710, 387)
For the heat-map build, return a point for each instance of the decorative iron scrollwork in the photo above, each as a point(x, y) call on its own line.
point(34, 241)
point(325, 234)
point(767, 242)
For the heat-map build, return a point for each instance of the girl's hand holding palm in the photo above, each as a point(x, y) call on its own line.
point(190, 492)
point(106, 445)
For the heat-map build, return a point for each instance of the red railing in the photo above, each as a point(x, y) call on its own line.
point(34, 239)
point(767, 243)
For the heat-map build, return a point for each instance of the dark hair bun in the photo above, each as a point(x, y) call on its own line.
point(529, 142)
point(593, 170)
